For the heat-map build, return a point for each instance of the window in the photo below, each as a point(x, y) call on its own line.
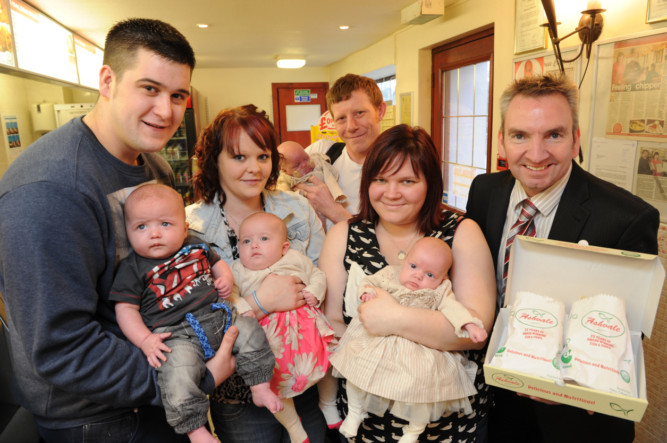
point(462, 104)
point(388, 87)
point(385, 78)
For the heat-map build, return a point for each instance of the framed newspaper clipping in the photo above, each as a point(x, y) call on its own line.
point(628, 115)
point(656, 11)
point(529, 34)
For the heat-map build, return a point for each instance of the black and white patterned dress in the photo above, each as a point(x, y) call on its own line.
point(363, 248)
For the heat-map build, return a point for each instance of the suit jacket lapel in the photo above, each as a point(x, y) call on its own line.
point(500, 197)
point(571, 215)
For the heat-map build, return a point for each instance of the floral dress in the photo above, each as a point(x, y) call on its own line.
point(363, 251)
point(300, 339)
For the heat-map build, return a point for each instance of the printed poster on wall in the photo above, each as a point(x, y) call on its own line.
point(638, 88)
point(325, 129)
point(10, 126)
point(546, 63)
point(6, 39)
point(10, 132)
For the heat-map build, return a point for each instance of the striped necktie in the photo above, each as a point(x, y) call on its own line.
point(524, 225)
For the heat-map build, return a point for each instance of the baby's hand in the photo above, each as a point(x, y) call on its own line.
point(476, 333)
point(250, 314)
point(224, 286)
point(154, 348)
point(310, 298)
point(368, 294)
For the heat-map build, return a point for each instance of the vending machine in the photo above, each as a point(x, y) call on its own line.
point(180, 149)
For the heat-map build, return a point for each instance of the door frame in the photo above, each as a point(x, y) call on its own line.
point(436, 84)
point(295, 85)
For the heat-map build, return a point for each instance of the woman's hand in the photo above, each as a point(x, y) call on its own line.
point(379, 315)
point(278, 293)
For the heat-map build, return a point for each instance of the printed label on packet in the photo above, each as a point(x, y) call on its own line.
point(534, 337)
point(598, 351)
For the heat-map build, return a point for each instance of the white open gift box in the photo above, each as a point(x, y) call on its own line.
point(567, 272)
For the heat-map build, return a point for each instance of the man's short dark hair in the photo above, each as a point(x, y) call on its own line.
point(125, 38)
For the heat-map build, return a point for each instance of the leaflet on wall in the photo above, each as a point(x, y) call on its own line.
point(325, 129)
point(613, 160)
point(10, 127)
point(638, 88)
point(12, 137)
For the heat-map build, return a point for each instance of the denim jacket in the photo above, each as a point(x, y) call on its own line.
point(304, 228)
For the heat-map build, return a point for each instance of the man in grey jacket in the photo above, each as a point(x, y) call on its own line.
point(62, 235)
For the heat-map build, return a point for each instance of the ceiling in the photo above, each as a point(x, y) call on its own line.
point(245, 33)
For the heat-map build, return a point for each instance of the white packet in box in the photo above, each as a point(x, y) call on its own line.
point(534, 336)
point(598, 351)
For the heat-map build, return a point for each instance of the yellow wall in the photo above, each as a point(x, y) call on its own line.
point(412, 45)
point(17, 94)
point(12, 91)
point(224, 88)
point(376, 56)
point(409, 48)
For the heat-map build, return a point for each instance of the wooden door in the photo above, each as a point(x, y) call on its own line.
point(296, 107)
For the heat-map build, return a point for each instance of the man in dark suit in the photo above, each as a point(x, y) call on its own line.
point(644, 165)
point(540, 138)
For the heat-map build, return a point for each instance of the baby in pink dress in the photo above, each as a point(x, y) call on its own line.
point(300, 338)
